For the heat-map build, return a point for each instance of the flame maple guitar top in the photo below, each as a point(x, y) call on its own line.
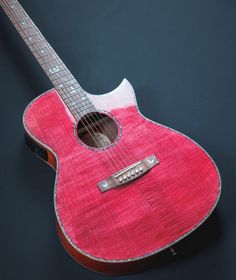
point(134, 221)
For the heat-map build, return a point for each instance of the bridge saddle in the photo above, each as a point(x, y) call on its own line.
point(128, 174)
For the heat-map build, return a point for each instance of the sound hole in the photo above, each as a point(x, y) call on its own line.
point(97, 130)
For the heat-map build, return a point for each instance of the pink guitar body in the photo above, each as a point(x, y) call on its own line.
point(118, 230)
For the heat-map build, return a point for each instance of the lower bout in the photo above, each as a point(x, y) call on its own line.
point(96, 264)
point(103, 266)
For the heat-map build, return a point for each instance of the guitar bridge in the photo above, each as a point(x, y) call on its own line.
point(128, 174)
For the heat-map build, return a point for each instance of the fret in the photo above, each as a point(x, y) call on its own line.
point(27, 23)
point(67, 78)
point(87, 108)
point(47, 58)
point(77, 98)
point(24, 25)
point(31, 31)
point(27, 32)
point(40, 45)
point(82, 109)
point(78, 91)
point(52, 63)
point(72, 93)
point(15, 6)
point(67, 87)
point(75, 105)
point(6, 5)
point(18, 14)
point(74, 90)
point(32, 35)
point(43, 52)
point(61, 80)
point(79, 106)
point(61, 75)
point(67, 83)
point(11, 8)
point(36, 52)
point(73, 97)
point(21, 14)
point(25, 29)
point(16, 20)
point(9, 2)
point(6, 9)
point(90, 108)
point(70, 96)
point(85, 103)
point(84, 97)
point(33, 39)
point(56, 70)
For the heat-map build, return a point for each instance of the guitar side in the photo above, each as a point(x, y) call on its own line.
point(161, 208)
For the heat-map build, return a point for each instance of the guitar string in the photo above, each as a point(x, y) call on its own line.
point(14, 16)
point(110, 131)
point(33, 46)
point(106, 155)
point(96, 113)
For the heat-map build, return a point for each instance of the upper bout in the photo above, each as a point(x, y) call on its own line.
point(121, 97)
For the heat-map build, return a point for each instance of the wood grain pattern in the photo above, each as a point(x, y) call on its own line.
point(135, 221)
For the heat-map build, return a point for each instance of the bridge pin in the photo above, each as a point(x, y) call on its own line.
point(132, 173)
point(124, 177)
point(136, 171)
point(141, 169)
point(120, 179)
point(129, 175)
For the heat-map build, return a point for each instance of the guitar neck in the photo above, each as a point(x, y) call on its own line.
point(67, 86)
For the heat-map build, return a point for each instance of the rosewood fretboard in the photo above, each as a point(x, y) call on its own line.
point(69, 89)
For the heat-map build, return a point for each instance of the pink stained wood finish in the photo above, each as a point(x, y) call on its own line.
point(138, 219)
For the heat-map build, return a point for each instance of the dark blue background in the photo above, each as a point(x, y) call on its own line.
point(180, 56)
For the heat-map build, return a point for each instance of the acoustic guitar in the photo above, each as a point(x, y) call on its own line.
point(126, 187)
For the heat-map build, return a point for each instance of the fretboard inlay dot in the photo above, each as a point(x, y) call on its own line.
point(67, 87)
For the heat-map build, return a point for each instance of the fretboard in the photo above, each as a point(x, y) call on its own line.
point(66, 85)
